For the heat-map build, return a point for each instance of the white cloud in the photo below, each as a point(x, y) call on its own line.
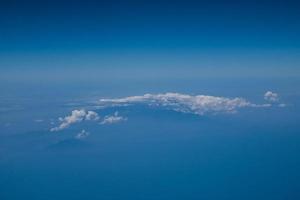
point(199, 104)
point(271, 96)
point(91, 115)
point(38, 120)
point(195, 104)
point(112, 119)
point(76, 117)
point(82, 134)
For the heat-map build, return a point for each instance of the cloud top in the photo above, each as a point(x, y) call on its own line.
point(199, 104)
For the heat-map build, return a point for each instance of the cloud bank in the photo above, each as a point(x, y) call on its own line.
point(199, 104)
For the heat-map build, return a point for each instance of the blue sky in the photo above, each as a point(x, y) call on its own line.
point(149, 100)
point(218, 38)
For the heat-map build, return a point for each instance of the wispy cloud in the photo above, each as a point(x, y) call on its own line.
point(199, 104)
point(82, 134)
point(112, 119)
point(282, 105)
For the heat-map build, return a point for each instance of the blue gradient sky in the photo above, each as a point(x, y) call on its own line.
point(57, 57)
point(141, 39)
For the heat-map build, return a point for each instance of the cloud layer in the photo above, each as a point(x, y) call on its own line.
point(199, 104)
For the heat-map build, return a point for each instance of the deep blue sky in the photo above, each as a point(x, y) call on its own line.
point(58, 56)
point(202, 37)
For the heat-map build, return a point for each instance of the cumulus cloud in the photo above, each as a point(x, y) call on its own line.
point(199, 104)
point(91, 115)
point(271, 96)
point(195, 104)
point(76, 117)
point(82, 134)
point(112, 119)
